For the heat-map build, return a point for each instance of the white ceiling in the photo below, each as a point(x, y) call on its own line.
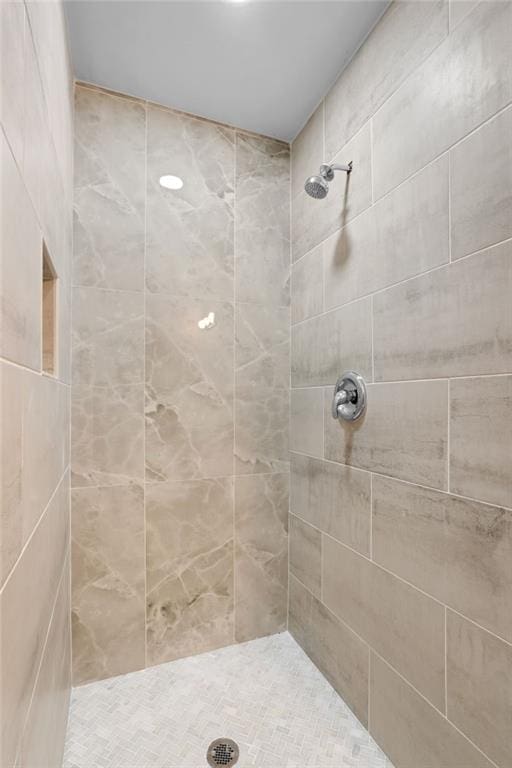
point(262, 65)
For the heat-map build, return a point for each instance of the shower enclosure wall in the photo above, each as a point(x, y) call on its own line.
point(179, 433)
point(401, 525)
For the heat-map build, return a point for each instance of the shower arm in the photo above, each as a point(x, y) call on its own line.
point(327, 170)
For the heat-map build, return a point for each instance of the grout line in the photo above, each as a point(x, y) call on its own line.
point(388, 382)
point(450, 204)
point(445, 666)
point(144, 483)
point(372, 182)
point(448, 440)
point(371, 516)
point(401, 480)
point(369, 685)
point(35, 528)
point(235, 363)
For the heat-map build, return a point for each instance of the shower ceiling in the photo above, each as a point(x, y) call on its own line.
point(260, 65)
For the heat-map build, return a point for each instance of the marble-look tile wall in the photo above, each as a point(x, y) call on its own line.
point(180, 460)
point(36, 157)
point(401, 524)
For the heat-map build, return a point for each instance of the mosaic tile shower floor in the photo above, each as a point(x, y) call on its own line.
point(265, 694)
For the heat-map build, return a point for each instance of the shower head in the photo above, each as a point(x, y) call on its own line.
point(318, 186)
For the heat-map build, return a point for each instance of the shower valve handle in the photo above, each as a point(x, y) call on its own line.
point(349, 398)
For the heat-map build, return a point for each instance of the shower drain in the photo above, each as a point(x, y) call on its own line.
point(222, 752)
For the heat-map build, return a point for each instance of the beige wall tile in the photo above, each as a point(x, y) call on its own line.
point(109, 199)
point(456, 550)
point(189, 240)
point(405, 35)
point(306, 554)
point(333, 498)
point(189, 389)
point(189, 542)
point(307, 421)
point(45, 730)
point(24, 631)
point(299, 612)
point(403, 625)
point(481, 438)
point(338, 653)
point(308, 150)
point(20, 267)
point(262, 222)
point(262, 388)
point(308, 286)
point(409, 730)
point(479, 690)
point(474, 73)
point(481, 204)
point(391, 241)
point(325, 346)
point(108, 581)
point(349, 194)
point(459, 321)
point(404, 432)
point(261, 555)
point(108, 372)
point(459, 9)
point(35, 453)
point(12, 66)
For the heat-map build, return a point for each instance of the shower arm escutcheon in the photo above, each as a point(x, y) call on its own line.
point(349, 397)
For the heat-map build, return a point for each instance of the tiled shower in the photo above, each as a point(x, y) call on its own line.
point(192, 546)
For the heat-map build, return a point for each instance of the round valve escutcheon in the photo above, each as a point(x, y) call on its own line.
point(349, 398)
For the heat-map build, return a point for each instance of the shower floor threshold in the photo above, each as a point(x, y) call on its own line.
point(265, 694)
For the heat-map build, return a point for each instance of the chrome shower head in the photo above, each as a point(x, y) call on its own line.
point(316, 187)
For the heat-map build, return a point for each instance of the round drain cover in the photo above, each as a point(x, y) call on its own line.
point(222, 752)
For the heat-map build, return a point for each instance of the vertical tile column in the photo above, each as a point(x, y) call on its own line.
point(262, 330)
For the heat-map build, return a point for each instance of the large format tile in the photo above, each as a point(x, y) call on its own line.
point(326, 346)
point(262, 384)
point(481, 438)
point(306, 554)
point(21, 257)
point(189, 567)
point(456, 550)
point(308, 286)
point(107, 400)
point(403, 625)
point(307, 421)
point(459, 320)
point(459, 9)
point(109, 195)
point(262, 221)
point(261, 555)
point(35, 453)
point(189, 389)
point(333, 498)
point(108, 581)
point(339, 654)
point(404, 234)
point(13, 29)
point(404, 432)
point(479, 691)
point(412, 732)
point(25, 627)
point(349, 194)
point(307, 150)
point(481, 187)
point(473, 73)
point(404, 36)
point(189, 240)
point(45, 730)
